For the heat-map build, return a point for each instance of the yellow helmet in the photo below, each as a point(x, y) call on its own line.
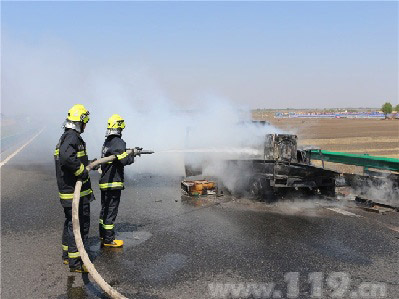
point(116, 122)
point(78, 113)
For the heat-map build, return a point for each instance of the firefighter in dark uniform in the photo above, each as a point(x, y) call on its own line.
point(70, 164)
point(112, 179)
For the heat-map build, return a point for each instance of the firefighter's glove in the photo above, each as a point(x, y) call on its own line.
point(95, 167)
point(84, 175)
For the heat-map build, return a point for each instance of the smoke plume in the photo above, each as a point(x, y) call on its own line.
point(43, 80)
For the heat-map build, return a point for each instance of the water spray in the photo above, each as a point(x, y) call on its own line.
point(248, 151)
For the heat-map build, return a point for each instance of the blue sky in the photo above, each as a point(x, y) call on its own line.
point(261, 54)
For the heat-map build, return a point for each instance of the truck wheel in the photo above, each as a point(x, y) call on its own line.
point(255, 188)
point(260, 189)
point(306, 191)
point(327, 191)
point(269, 197)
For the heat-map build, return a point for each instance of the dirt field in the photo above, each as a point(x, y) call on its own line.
point(358, 136)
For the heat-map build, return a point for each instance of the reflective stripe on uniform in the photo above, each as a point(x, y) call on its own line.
point(70, 195)
point(73, 255)
point(64, 247)
point(81, 154)
point(80, 170)
point(108, 226)
point(121, 156)
point(111, 185)
point(101, 221)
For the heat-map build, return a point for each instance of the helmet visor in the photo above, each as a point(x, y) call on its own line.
point(121, 124)
point(85, 117)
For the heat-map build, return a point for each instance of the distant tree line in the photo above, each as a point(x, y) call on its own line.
point(387, 108)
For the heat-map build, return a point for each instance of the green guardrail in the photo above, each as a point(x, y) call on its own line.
point(354, 159)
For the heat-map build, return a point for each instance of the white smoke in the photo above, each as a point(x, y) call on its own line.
point(385, 190)
point(44, 80)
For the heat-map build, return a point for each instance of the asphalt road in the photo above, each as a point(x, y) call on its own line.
point(177, 248)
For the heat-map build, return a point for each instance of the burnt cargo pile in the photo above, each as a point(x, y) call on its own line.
point(375, 185)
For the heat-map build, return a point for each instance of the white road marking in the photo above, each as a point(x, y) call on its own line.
point(346, 213)
point(20, 149)
point(391, 227)
point(343, 212)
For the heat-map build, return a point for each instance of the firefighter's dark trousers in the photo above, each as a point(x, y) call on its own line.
point(70, 251)
point(109, 210)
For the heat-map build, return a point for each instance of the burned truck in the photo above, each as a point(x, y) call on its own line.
point(283, 170)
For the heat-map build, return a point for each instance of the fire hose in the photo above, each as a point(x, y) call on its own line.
point(76, 226)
